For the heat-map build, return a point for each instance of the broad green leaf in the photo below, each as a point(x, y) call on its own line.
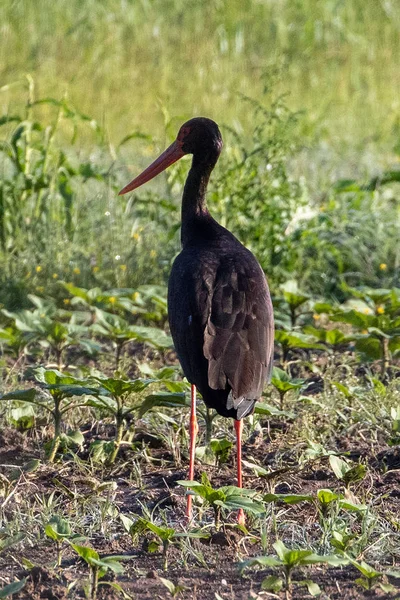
point(165, 399)
point(272, 583)
point(262, 408)
point(126, 522)
point(339, 466)
point(57, 528)
point(313, 588)
point(261, 561)
point(12, 588)
point(288, 498)
point(88, 554)
point(108, 563)
point(366, 569)
point(25, 395)
point(326, 496)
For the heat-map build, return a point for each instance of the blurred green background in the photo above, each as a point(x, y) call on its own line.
point(309, 88)
point(121, 60)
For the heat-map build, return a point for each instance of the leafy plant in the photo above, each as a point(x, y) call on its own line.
point(294, 300)
point(12, 588)
point(164, 535)
point(56, 399)
point(59, 530)
point(111, 398)
point(287, 560)
point(283, 384)
point(226, 497)
point(98, 566)
point(174, 589)
point(295, 341)
point(120, 332)
point(346, 472)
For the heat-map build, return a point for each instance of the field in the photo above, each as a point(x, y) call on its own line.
point(94, 407)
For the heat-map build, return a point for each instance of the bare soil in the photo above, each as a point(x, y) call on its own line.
point(159, 491)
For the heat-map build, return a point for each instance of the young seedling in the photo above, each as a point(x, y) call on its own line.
point(120, 332)
point(112, 399)
point(57, 400)
point(346, 472)
point(226, 497)
point(44, 326)
point(283, 384)
point(295, 341)
point(98, 566)
point(294, 299)
point(174, 589)
point(165, 535)
point(287, 560)
point(59, 530)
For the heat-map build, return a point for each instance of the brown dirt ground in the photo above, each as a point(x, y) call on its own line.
point(142, 570)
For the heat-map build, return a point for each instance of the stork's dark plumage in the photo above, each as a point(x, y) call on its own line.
point(219, 307)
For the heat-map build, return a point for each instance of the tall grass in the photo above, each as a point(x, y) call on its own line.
point(123, 60)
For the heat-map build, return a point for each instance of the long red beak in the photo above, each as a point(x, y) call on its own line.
point(173, 153)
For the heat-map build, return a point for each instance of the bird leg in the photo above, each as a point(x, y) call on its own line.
point(193, 430)
point(239, 429)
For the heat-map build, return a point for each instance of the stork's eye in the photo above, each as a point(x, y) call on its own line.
point(183, 133)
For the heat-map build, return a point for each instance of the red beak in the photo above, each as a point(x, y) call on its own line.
point(173, 153)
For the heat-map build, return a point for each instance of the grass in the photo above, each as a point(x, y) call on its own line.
point(130, 64)
point(93, 410)
point(107, 481)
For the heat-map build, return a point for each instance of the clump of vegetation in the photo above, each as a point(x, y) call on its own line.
point(94, 409)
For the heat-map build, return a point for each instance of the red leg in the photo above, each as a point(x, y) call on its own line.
point(193, 429)
point(239, 429)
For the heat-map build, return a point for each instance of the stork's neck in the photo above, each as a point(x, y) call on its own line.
point(194, 205)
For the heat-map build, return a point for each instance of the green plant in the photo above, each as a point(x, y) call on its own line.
point(291, 341)
point(98, 566)
point(120, 332)
point(174, 589)
point(283, 384)
point(348, 473)
point(164, 535)
point(112, 398)
point(57, 399)
point(39, 178)
point(59, 530)
point(12, 588)
point(226, 497)
point(287, 560)
point(294, 300)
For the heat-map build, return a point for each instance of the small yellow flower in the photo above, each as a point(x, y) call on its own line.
point(55, 276)
point(153, 253)
point(112, 299)
point(316, 317)
point(38, 269)
point(380, 310)
point(122, 267)
point(136, 236)
point(365, 331)
point(40, 289)
point(95, 269)
point(77, 271)
point(383, 266)
point(135, 296)
point(67, 301)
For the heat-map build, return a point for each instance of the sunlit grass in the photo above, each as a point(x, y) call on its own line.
point(123, 61)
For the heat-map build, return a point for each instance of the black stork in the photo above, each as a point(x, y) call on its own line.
point(219, 306)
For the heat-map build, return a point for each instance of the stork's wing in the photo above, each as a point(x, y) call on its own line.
point(239, 329)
